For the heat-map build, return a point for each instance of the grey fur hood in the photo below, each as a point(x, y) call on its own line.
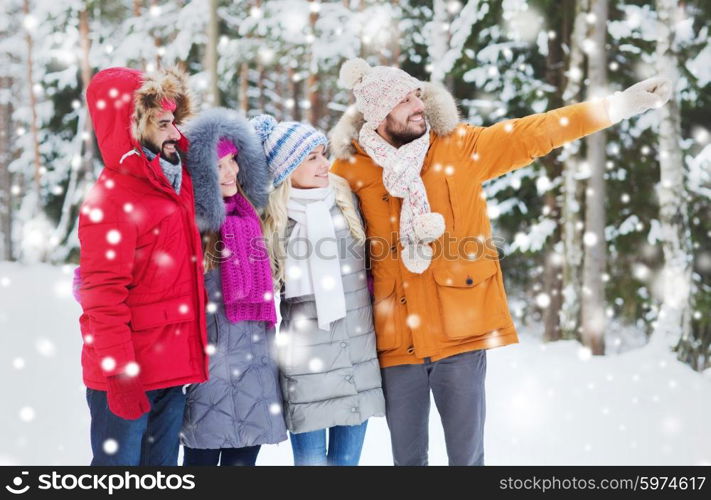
point(440, 110)
point(204, 132)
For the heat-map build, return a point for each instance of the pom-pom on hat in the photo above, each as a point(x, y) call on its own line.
point(377, 89)
point(286, 144)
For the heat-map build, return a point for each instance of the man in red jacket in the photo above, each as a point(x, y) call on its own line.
point(142, 288)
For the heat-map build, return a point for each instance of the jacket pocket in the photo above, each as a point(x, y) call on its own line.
point(469, 299)
point(387, 315)
point(177, 310)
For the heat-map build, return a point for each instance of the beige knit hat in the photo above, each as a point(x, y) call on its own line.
point(377, 89)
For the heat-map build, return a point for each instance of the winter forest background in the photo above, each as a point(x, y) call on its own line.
point(606, 242)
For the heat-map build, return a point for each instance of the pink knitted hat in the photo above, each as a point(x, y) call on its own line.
point(377, 89)
point(225, 147)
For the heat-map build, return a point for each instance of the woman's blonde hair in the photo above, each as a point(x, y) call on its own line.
point(276, 219)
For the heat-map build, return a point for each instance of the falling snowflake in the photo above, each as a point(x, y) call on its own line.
point(210, 349)
point(328, 283)
point(163, 259)
point(45, 347)
point(110, 446)
point(315, 365)
point(543, 300)
point(584, 353)
point(301, 322)
point(275, 408)
point(413, 321)
point(27, 414)
point(113, 236)
point(294, 272)
point(590, 239)
point(18, 363)
point(108, 363)
point(63, 288)
point(339, 222)
point(132, 369)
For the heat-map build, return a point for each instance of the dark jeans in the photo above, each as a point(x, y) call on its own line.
point(152, 439)
point(457, 384)
point(246, 456)
point(345, 443)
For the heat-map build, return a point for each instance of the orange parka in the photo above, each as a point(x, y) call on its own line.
point(459, 303)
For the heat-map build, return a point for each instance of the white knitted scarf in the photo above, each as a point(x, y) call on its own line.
point(401, 176)
point(312, 262)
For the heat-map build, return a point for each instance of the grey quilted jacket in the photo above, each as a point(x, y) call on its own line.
point(240, 405)
point(331, 377)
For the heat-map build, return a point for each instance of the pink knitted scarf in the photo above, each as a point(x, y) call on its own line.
point(247, 287)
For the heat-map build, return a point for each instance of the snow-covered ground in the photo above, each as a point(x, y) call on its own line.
point(547, 403)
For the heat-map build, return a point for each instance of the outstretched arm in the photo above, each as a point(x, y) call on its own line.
point(512, 144)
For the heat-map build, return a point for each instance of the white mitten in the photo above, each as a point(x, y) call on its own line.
point(650, 93)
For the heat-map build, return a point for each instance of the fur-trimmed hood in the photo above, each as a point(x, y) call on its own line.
point(440, 110)
point(168, 84)
point(203, 133)
point(120, 102)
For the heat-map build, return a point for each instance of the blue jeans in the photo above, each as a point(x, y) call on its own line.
point(152, 439)
point(246, 456)
point(344, 445)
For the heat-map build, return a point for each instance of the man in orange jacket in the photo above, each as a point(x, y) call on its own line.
point(439, 293)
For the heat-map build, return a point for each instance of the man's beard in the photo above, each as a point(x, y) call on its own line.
point(173, 158)
point(403, 134)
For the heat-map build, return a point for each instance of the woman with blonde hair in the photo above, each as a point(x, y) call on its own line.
point(329, 371)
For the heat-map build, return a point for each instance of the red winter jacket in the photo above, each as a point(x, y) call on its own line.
point(142, 287)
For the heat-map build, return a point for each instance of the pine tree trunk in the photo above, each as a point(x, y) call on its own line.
point(86, 74)
point(552, 277)
point(213, 95)
point(279, 91)
point(395, 40)
point(37, 159)
point(312, 82)
point(674, 322)
point(6, 198)
point(295, 95)
point(572, 192)
point(244, 87)
point(84, 149)
point(595, 246)
point(260, 88)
